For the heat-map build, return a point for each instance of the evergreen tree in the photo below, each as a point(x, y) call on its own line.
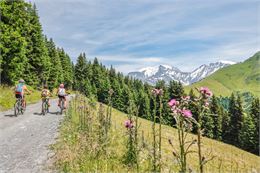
point(67, 70)
point(217, 118)
point(80, 73)
point(255, 114)
point(236, 119)
point(144, 106)
point(37, 68)
point(56, 76)
point(208, 124)
point(14, 19)
point(225, 126)
point(175, 90)
point(247, 134)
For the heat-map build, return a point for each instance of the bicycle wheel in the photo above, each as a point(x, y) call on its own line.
point(47, 106)
point(43, 108)
point(62, 106)
point(21, 107)
point(16, 109)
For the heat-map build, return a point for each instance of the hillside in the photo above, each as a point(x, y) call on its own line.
point(78, 143)
point(242, 77)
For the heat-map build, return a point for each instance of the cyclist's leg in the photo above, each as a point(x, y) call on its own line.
point(65, 102)
point(59, 100)
point(48, 101)
point(23, 100)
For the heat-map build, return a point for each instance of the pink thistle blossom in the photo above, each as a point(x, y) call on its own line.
point(205, 91)
point(173, 102)
point(186, 113)
point(129, 124)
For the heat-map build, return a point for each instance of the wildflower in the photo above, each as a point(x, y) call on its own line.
point(205, 91)
point(186, 98)
point(157, 92)
point(173, 103)
point(129, 124)
point(186, 113)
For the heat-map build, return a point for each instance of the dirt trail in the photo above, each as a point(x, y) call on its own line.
point(25, 140)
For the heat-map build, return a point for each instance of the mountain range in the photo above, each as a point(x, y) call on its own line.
point(167, 73)
point(241, 77)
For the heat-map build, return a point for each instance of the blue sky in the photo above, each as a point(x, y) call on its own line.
point(131, 34)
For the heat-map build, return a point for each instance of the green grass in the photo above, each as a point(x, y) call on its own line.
point(72, 155)
point(7, 98)
point(241, 77)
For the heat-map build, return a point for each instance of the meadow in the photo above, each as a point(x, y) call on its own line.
point(79, 148)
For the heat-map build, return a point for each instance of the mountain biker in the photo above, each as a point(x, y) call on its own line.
point(45, 94)
point(20, 89)
point(61, 92)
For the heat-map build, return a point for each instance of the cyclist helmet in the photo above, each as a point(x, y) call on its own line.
point(62, 85)
point(21, 81)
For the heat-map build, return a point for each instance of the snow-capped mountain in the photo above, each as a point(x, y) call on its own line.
point(168, 73)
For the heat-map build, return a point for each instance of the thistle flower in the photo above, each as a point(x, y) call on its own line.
point(186, 113)
point(157, 92)
point(173, 103)
point(205, 91)
point(129, 124)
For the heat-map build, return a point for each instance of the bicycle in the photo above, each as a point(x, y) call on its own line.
point(45, 106)
point(18, 107)
point(62, 105)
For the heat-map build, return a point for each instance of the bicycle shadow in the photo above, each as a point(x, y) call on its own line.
point(54, 113)
point(37, 113)
point(9, 115)
point(40, 114)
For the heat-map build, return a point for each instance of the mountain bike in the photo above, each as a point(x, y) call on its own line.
point(18, 107)
point(62, 102)
point(45, 106)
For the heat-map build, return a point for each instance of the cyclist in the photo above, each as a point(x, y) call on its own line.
point(19, 91)
point(46, 94)
point(61, 92)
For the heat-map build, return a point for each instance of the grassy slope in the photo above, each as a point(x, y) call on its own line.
point(241, 77)
point(69, 153)
point(7, 98)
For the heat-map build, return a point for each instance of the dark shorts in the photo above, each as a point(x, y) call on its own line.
point(62, 97)
point(19, 96)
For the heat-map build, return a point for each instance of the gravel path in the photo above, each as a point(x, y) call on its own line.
point(25, 140)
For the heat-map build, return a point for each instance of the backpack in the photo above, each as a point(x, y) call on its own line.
point(19, 88)
point(62, 92)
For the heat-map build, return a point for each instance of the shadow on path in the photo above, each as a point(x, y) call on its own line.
point(10, 115)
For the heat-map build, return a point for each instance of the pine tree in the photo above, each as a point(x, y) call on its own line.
point(37, 54)
point(67, 70)
point(217, 118)
point(225, 126)
point(80, 72)
point(247, 134)
point(144, 106)
point(14, 18)
point(175, 90)
point(207, 124)
point(236, 119)
point(255, 114)
point(56, 75)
